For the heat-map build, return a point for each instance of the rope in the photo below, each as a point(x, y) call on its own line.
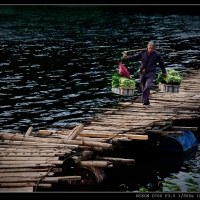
point(52, 167)
point(42, 178)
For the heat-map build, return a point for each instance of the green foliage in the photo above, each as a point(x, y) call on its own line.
point(172, 78)
point(143, 189)
point(126, 83)
point(118, 81)
point(192, 181)
point(173, 187)
point(125, 186)
point(115, 80)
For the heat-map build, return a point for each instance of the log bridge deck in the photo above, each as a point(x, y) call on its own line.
point(29, 162)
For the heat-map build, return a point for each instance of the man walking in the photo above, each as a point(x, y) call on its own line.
point(149, 59)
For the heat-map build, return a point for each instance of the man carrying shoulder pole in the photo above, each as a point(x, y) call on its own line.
point(149, 59)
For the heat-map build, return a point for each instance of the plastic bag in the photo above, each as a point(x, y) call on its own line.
point(123, 71)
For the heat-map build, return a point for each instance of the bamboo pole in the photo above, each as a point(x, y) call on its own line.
point(11, 136)
point(183, 128)
point(77, 130)
point(95, 163)
point(25, 174)
point(45, 169)
point(117, 135)
point(121, 161)
point(166, 133)
point(43, 180)
point(29, 131)
point(37, 162)
point(24, 149)
point(18, 189)
point(28, 165)
point(7, 154)
point(7, 158)
point(146, 49)
point(29, 184)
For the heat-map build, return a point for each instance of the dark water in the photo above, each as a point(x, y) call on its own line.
point(56, 62)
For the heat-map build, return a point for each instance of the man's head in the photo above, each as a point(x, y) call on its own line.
point(151, 46)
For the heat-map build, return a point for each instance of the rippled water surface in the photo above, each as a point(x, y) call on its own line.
point(56, 62)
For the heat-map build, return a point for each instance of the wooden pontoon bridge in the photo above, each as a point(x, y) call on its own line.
point(36, 162)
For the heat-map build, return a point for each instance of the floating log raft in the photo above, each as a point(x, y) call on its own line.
point(32, 162)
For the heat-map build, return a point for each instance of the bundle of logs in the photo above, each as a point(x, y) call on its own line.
point(32, 162)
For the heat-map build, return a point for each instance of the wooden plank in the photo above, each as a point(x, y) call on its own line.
point(10, 136)
point(29, 131)
point(28, 165)
point(183, 128)
point(44, 159)
point(45, 169)
point(130, 136)
point(166, 133)
point(95, 163)
point(23, 179)
point(8, 154)
point(20, 149)
point(77, 130)
point(18, 189)
point(44, 132)
point(25, 174)
point(29, 184)
point(37, 162)
point(118, 160)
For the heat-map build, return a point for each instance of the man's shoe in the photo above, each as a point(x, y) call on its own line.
point(145, 105)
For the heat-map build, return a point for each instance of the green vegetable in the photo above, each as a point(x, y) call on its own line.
point(115, 80)
point(118, 81)
point(126, 83)
point(172, 78)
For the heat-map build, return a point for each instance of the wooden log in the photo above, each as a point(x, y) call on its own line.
point(20, 149)
point(7, 158)
point(83, 156)
point(45, 132)
point(122, 139)
point(130, 136)
point(37, 162)
point(101, 128)
point(42, 180)
point(121, 161)
point(40, 144)
point(26, 174)
point(18, 189)
point(46, 148)
point(77, 130)
point(95, 163)
point(183, 128)
point(29, 131)
point(166, 133)
point(11, 136)
point(29, 184)
point(99, 149)
point(45, 169)
point(92, 139)
point(29, 165)
point(139, 123)
point(7, 154)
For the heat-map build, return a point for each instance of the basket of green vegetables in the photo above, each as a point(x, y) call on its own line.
point(171, 83)
point(122, 85)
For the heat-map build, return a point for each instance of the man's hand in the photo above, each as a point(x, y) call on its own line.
point(125, 56)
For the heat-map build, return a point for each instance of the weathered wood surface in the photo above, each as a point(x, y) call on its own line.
point(18, 189)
